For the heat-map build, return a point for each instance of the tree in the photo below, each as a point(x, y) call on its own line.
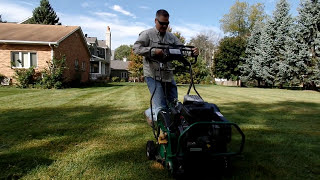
point(256, 14)
point(241, 18)
point(250, 68)
point(44, 14)
point(122, 51)
point(266, 56)
point(205, 41)
point(136, 66)
point(309, 24)
point(180, 37)
point(279, 32)
point(297, 58)
point(229, 56)
point(1, 21)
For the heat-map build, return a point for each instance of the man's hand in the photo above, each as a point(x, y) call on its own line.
point(195, 51)
point(158, 52)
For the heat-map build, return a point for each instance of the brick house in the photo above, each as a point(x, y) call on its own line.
point(26, 45)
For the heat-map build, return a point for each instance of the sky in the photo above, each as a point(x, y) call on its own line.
point(127, 18)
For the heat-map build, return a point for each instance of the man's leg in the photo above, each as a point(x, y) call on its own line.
point(172, 91)
point(158, 100)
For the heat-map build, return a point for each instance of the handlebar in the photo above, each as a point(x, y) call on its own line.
point(175, 52)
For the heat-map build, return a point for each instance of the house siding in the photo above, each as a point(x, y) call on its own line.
point(74, 47)
point(43, 55)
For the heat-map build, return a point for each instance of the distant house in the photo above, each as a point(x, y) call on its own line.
point(100, 56)
point(26, 45)
point(120, 69)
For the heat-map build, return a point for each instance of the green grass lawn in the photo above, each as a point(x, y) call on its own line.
point(100, 132)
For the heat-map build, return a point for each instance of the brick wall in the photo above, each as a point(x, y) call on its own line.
point(43, 55)
point(74, 47)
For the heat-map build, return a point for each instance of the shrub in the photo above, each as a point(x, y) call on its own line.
point(2, 77)
point(123, 80)
point(53, 75)
point(115, 79)
point(25, 77)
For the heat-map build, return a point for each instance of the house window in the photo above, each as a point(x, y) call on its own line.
point(123, 75)
point(76, 64)
point(94, 67)
point(24, 59)
point(83, 66)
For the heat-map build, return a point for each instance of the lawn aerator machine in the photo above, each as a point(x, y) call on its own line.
point(192, 130)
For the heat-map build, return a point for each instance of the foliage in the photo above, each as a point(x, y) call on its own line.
point(251, 67)
point(135, 65)
point(44, 14)
point(115, 79)
point(25, 77)
point(53, 74)
point(122, 51)
point(2, 77)
point(180, 37)
point(229, 57)
point(241, 18)
point(308, 22)
point(205, 42)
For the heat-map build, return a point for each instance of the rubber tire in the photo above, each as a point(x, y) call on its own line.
point(151, 150)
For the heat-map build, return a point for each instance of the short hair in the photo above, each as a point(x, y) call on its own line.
point(162, 12)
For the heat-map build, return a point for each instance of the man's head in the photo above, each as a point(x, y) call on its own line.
point(162, 20)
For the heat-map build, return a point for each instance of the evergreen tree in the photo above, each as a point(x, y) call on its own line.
point(309, 26)
point(248, 69)
point(265, 56)
point(281, 23)
point(295, 66)
point(44, 14)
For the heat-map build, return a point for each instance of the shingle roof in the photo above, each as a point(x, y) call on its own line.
point(91, 39)
point(119, 65)
point(102, 43)
point(33, 33)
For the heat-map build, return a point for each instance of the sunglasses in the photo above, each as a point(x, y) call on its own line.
point(163, 23)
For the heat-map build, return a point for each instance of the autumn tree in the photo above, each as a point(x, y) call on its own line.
point(135, 66)
point(44, 14)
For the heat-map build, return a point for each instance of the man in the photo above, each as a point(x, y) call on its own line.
point(151, 38)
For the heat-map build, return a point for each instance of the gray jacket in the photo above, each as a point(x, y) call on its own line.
point(150, 38)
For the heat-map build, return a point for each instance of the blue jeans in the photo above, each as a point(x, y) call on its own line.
point(159, 100)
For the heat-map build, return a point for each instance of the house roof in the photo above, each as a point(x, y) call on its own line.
point(91, 39)
point(102, 43)
point(119, 65)
point(34, 33)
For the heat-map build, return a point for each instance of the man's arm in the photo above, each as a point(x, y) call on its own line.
point(141, 46)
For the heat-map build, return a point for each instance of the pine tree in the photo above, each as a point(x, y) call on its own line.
point(44, 14)
point(265, 56)
point(249, 68)
point(281, 23)
point(295, 66)
point(309, 26)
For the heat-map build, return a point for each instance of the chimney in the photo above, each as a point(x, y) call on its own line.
point(108, 38)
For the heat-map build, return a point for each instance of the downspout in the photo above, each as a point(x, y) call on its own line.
point(52, 53)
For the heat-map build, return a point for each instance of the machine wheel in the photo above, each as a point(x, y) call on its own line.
point(151, 150)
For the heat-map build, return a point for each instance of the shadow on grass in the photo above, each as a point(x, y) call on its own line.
point(282, 139)
point(29, 137)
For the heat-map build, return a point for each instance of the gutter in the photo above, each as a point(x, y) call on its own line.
point(28, 42)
